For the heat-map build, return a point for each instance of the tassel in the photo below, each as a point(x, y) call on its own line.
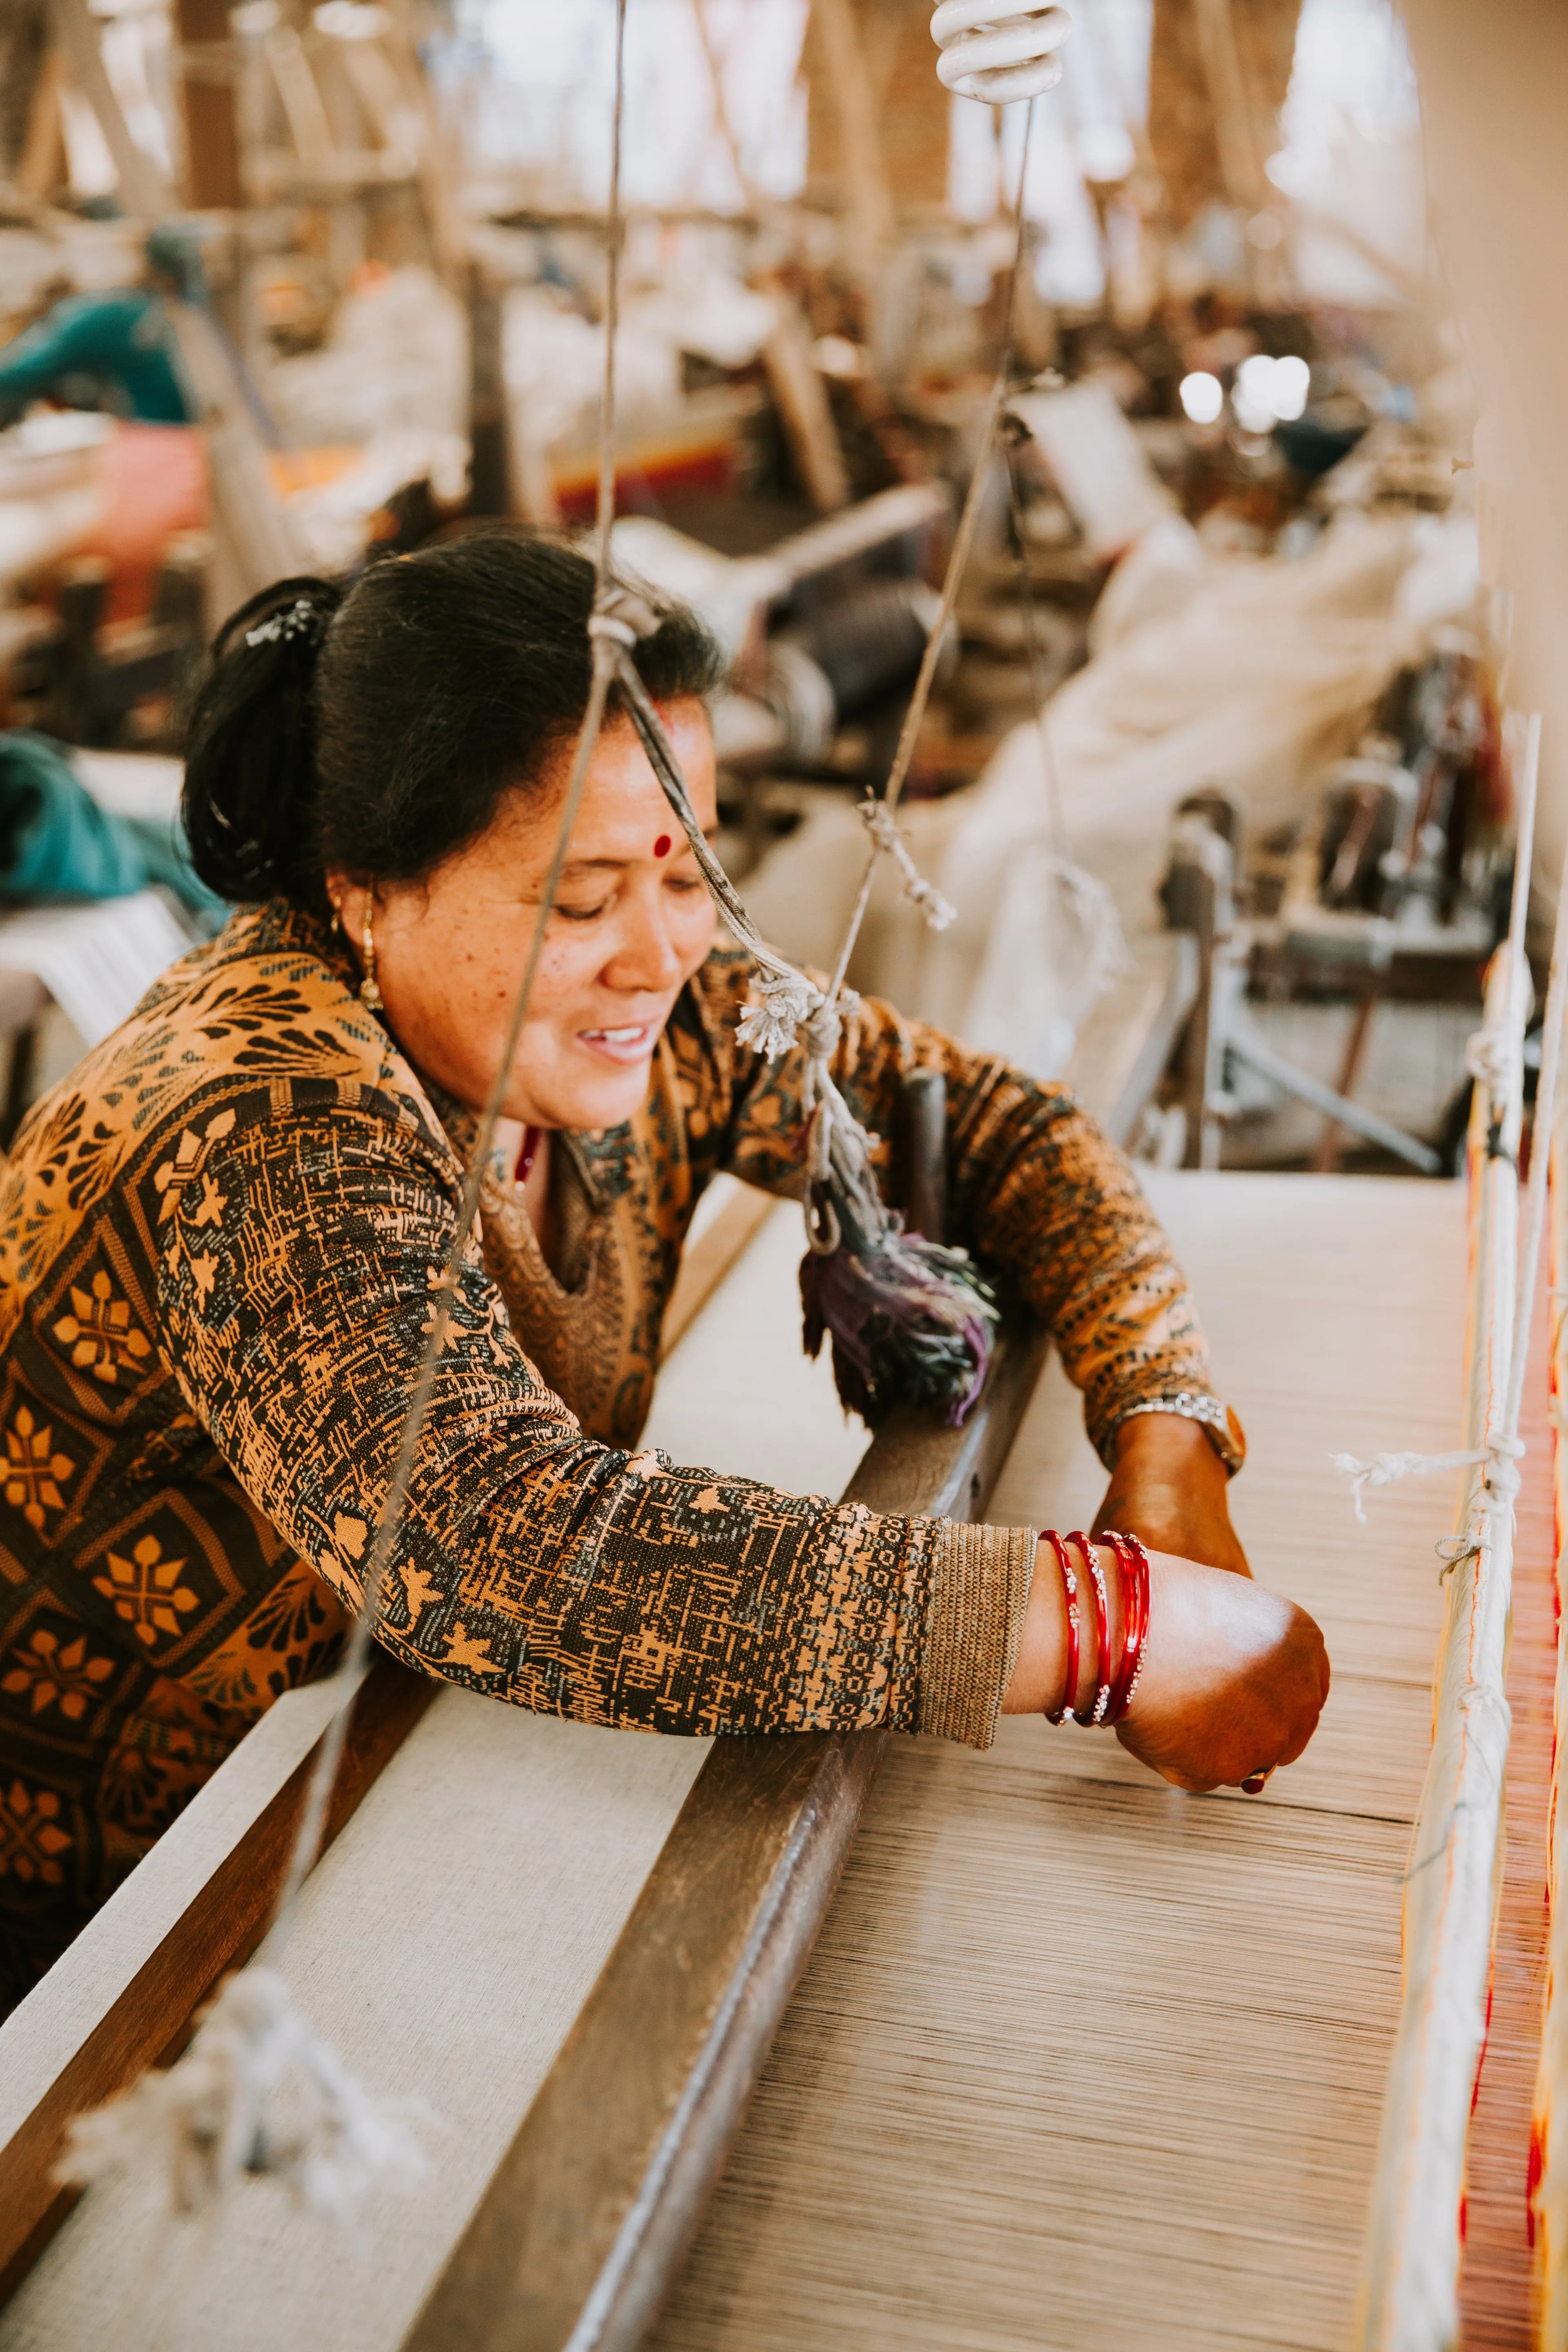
point(256, 2091)
point(771, 1020)
point(911, 1321)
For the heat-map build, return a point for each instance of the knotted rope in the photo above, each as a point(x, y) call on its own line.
point(1501, 1481)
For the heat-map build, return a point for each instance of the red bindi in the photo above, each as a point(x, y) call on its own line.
point(661, 847)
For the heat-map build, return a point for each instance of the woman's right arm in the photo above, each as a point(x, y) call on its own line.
point(300, 1252)
point(301, 1243)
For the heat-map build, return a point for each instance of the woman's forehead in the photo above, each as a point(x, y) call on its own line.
point(624, 811)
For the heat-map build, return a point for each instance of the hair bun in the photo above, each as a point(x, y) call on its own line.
point(250, 765)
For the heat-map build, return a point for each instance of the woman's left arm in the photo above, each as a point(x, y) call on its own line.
point(1054, 1212)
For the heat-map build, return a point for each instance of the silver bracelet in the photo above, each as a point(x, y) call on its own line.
point(1216, 1421)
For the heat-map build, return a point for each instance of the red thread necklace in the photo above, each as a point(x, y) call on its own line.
point(527, 1154)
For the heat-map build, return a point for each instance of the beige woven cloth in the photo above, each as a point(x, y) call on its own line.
point(1079, 2060)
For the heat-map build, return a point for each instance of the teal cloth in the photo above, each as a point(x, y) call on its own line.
point(121, 344)
point(57, 844)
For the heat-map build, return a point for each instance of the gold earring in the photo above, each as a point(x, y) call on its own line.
point(369, 992)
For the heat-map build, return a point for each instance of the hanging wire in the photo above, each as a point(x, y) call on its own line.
point(957, 564)
point(1059, 840)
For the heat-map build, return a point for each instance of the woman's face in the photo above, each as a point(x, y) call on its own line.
point(632, 922)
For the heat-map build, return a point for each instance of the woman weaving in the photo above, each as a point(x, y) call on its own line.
point(220, 1237)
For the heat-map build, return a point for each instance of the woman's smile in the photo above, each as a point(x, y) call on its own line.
point(631, 1044)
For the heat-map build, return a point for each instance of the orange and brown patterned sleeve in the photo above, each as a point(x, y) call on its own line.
point(535, 1564)
point(1046, 1203)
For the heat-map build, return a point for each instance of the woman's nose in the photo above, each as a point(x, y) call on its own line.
point(644, 956)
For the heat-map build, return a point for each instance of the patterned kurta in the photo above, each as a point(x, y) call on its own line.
point(219, 1242)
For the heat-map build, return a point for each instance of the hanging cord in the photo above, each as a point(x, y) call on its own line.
point(1088, 906)
point(1059, 842)
point(256, 2091)
point(957, 564)
point(910, 1319)
point(1495, 1058)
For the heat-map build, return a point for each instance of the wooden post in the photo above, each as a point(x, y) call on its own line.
point(914, 108)
point(803, 407)
point(213, 178)
point(1218, 76)
point(491, 488)
point(898, 89)
point(42, 166)
point(920, 1151)
point(841, 61)
point(142, 187)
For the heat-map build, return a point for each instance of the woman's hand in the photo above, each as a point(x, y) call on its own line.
point(1171, 1489)
point(1234, 1678)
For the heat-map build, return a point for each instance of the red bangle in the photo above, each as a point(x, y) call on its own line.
point(1103, 1628)
point(1069, 1581)
point(1133, 1562)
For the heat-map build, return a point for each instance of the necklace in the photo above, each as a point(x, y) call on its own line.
point(527, 1155)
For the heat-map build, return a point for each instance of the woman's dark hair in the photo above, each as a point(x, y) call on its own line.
point(378, 727)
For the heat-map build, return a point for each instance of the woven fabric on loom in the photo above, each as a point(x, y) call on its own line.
point(1080, 2059)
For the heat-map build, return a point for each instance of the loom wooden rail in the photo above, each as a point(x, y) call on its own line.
point(591, 2211)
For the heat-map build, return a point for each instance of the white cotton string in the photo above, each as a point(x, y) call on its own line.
point(1385, 1469)
point(1495, 1059)
point(997, 53)
point(256, 2091)
point(788, 1008)
point(880, 824)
